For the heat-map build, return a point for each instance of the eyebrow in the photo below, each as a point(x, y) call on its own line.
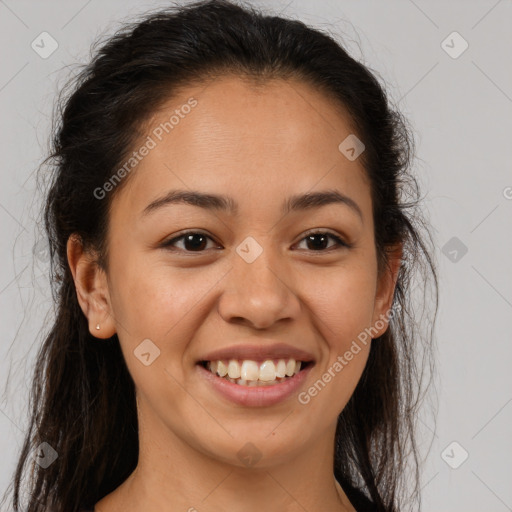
point(217, 202)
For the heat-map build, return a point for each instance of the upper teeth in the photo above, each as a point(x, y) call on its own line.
point(251, 370)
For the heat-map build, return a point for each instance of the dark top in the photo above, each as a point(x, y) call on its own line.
point(359, 501)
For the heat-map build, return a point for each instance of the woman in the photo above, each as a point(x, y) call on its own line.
point(234, 328)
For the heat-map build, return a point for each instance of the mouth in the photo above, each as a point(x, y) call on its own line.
point(251, 373)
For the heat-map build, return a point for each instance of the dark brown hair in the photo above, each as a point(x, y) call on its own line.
point(83, 397)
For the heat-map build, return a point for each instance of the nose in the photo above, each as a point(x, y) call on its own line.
point(258, 294)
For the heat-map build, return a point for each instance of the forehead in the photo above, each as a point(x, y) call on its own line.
point(231, 135)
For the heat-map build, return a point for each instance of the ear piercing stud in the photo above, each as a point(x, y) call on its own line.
point(97, 327)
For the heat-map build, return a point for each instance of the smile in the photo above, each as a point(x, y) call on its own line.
point(252, 373)
point(254, 384)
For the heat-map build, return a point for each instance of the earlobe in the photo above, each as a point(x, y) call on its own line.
point(386, 290)
point(91, 288)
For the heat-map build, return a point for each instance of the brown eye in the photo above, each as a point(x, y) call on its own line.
point(318, 241)
point(192, 242)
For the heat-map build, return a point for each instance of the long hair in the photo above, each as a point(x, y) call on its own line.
point(82, 402)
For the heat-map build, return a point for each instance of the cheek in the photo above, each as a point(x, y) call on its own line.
point(161, 307)
point(149, 297)
point(343, 302)
point(152, 300)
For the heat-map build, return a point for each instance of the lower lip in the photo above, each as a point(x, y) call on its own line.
point(255, 396)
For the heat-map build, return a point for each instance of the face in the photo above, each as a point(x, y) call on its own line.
point(260, 266)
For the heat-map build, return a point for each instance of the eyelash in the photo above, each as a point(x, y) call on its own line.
point(339, 242)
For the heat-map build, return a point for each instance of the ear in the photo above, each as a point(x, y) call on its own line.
point(385, 291)
point(91, 288)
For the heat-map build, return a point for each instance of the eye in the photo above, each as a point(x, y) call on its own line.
point(193, 241)
point(318, 240)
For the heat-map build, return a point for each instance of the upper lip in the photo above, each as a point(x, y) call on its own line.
point(258, 352)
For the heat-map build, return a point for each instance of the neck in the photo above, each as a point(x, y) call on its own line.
point(173, 474)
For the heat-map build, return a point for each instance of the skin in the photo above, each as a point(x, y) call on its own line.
point(258, 145)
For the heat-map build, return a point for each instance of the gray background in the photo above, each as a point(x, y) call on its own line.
point(461, 110)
